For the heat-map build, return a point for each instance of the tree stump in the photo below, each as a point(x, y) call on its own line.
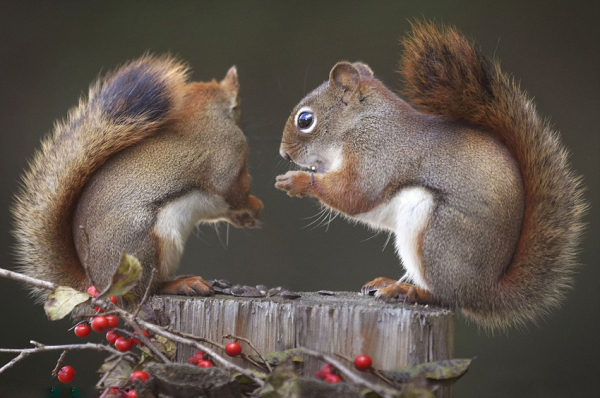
point(393, 334)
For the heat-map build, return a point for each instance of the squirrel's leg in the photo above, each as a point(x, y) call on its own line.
point(187, 286)
point(389, 289)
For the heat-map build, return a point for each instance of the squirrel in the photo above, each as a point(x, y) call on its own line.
point(133, 168)
point(475, 185)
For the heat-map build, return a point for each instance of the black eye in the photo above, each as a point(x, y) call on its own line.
point(305, 120)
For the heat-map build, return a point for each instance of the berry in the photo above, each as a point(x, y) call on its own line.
point(92, 291)
point(199, 355)
point(362, 362)
point(136, 341)
point(113, 321)
point(100, 324)
point(132, 394)
point(205, 364)
point(66, 374)
point(98, 309)
point(82, 330)
point(113, 299)
point(140, 375)
point(122, 344)
point(233, 349)
point(327, 369)
point(193, 361)
point(332, 378)
point(112, 336)
point(319, 374)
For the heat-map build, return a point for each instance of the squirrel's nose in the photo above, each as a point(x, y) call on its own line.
point(284, 155)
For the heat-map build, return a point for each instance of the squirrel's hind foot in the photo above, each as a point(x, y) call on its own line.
point(187, 286)
point(387, 289)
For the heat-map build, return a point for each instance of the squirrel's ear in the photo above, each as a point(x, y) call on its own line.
point(230, 81)
point(363, 69)
point(345, 76)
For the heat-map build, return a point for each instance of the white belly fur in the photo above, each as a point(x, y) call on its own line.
point(176, 220)
point(407, 215)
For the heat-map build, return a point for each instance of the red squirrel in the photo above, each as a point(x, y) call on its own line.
point(133, 168)
point(475, 185)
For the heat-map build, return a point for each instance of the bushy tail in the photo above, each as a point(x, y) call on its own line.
point(446, 74)
point(123, 108)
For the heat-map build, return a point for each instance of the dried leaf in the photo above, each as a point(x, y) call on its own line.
point(439, 370)
point(119, 376)
point(125, 277)
point(163, 344)
point(61, 302)
point(276, 357)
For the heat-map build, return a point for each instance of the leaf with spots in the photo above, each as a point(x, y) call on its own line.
point(125, 277)
point(451, 369)
point(62, 301)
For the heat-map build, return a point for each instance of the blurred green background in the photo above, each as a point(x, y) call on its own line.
point(51, 51)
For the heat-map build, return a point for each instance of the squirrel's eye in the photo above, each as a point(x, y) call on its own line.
point(305, 120)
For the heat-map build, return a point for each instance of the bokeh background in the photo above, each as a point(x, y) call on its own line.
point(51, 51)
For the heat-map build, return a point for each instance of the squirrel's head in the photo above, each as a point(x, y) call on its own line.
point(315, 133)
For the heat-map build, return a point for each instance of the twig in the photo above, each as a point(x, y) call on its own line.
point(231, 336)
point(105, 375)
point(357, 380)
point(146, 293)
point(178, 339)
point(59, 363)
point(15, 276)
point(25, 352)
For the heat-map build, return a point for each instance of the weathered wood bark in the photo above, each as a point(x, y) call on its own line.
point(394, 335)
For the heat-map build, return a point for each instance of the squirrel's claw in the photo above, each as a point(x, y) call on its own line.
point(295, 183)
point(387, 289)
point(187, 286)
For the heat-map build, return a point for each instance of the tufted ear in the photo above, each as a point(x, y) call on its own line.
point(345, 76)
point(230, 81)
point(363, 69)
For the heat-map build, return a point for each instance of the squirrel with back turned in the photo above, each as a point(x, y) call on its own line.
point(476, 187)
point(133, 168)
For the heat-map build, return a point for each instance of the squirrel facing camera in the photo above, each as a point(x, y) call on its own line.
point(134, 168)
point(476, 187)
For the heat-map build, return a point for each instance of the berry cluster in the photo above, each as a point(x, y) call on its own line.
point(328, 374)
point(201, 360)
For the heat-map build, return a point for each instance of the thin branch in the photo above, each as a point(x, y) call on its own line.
point(15, 276)
point(231, 336)
point(59, 363)
point(355, 379)
point(372, 371)
point(24, 352)
point(110, 370)
point(178, 339)
point(146, 293)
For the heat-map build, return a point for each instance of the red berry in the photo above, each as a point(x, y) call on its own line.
point(122, 344)
point(136, 341)
point(98, 309)
point(92, 291)
point(132, 394)
point(82, 330)
point(205, 364)
point(139, 374)
point(112, 336)
point(362, 362)
point(233, 349)
point(327, 369)
point(193, 361)
point(199, 355)
point(113, 299)
point(332, 378)
point(113, 321)
point(66, 374)
point(319, 374)
point(99, 324)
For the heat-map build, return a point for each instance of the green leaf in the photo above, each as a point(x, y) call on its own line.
point(243, 379)
point(125, 277)
point(277, 357)
point(61, 302)
point(439, 370)
point(119, 376)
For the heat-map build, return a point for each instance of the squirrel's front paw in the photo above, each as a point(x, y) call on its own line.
point(244, 219)
point(387, 289)
point(295, 183)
